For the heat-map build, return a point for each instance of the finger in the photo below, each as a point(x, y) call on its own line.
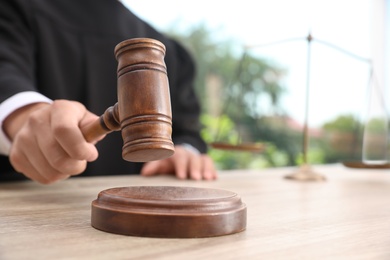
point(48, 148)
point(22, 165)
point(65, 121)
point(34, 167)
point(58, 159)
point(195, 166)
point(209, 171)
point(181, 161)
point(149, 169)
point(86, 123)
point(154, 168)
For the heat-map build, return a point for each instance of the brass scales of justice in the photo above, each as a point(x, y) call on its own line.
point(305, 171)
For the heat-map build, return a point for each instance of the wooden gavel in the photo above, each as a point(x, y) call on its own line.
point(143, 111)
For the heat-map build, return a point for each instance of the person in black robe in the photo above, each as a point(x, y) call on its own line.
point(63, 50)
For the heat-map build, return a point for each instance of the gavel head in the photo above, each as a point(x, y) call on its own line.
point(144, 106)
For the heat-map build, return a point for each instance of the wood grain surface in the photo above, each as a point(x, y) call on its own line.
point(345, 217)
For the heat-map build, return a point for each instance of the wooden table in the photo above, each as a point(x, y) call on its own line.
point(346, 217)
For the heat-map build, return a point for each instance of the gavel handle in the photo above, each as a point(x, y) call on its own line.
point(105, 124)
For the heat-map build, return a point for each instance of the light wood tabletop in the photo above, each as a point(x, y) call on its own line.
point(345, 217)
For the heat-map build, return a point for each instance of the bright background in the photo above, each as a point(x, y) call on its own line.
point(338, 82)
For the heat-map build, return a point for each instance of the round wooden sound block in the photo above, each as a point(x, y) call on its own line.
point(169, 212)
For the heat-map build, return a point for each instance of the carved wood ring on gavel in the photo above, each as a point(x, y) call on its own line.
point(143, 112)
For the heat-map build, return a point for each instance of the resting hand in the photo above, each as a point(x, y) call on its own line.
point(47, 143)
point(184, 164)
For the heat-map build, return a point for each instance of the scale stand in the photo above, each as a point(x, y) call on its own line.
point(305, 172)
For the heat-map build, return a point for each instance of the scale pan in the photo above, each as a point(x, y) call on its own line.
point(362, 165)
point(249, 147)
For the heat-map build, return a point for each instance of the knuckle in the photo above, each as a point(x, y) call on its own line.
point(78, 168)
point(60, 130)
point(16, 160)
point(73, 167)
point(23, 138)
point(58, 163)
point(59, 103)
point(79, 153)
point(35, 120)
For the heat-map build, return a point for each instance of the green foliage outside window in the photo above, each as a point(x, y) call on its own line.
point(250, 110)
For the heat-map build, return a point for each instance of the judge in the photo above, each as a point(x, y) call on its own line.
point(58, 72)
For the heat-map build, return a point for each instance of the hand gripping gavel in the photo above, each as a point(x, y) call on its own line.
point(143, 111)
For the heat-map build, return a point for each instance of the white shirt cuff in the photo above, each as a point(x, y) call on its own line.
point(10, 105)
point(190, 148)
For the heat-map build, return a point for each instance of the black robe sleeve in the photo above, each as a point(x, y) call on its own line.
point(64, 50)
point(17, 57)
